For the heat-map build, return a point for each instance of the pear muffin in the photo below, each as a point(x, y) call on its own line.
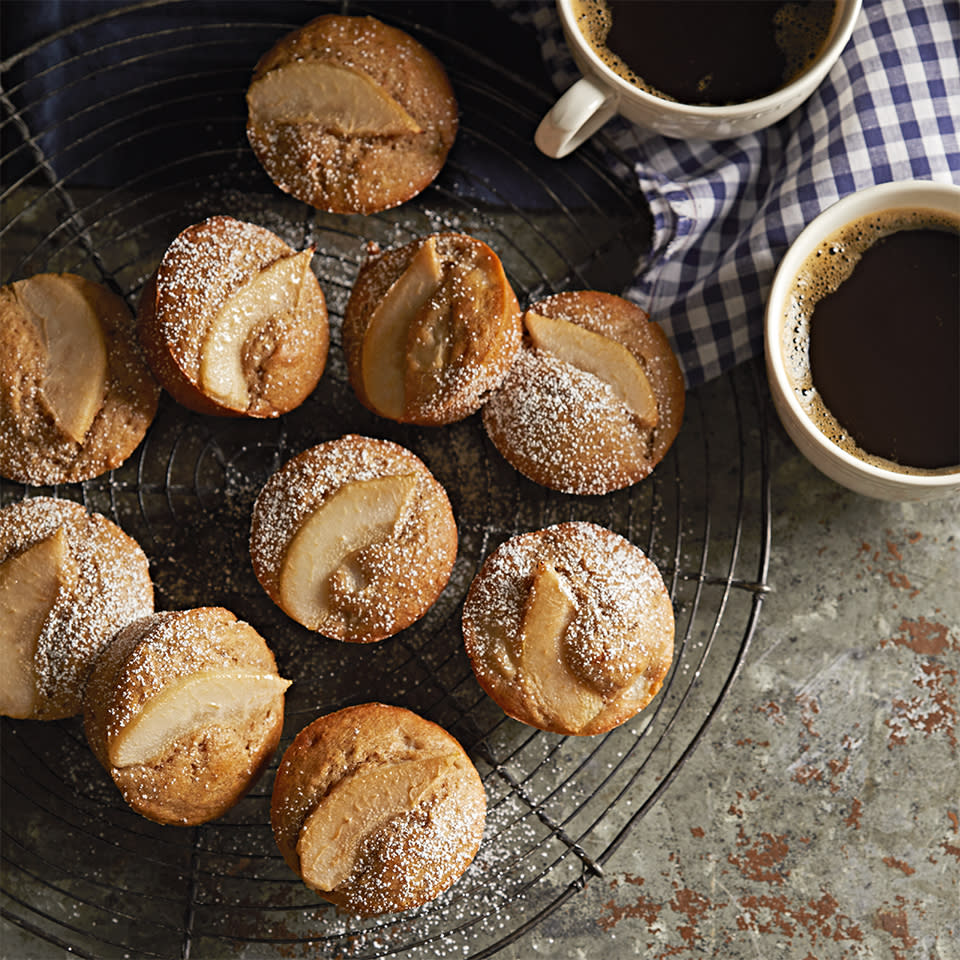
point(354, 538)
point(569, 629)
point(595, 398)
point(76, 394)
point(184, 710)
point(350, 115)
point(69, 580)
point(430, 329)
point(234, 322)
point(377, 809)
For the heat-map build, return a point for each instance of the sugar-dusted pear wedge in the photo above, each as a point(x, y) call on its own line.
point(377, 809)
point(75, 378)
point(356, 807)
point(569, 628)
point(383, 352)
point(354, 538)
point(602, 356)
point(272, 294)
point(350, 115)
point(359, 514)
point(544, 673)
point(431, 328)
point(336, 97)
point(193, 702)
point(29, 585)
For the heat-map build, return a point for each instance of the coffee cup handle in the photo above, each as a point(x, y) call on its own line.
point(575, 117)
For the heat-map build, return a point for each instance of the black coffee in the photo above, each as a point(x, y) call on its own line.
point(885, 349)
point(877, 309)
point(707, 52)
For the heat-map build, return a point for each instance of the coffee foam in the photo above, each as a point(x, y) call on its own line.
point(594, 20)
point(800, 37)
point(824, 270)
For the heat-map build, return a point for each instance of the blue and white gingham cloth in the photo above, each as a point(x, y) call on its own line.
point(725, 212)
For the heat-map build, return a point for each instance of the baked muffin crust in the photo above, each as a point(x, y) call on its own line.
point(569, 628)
point(344, 167)
point(417, 797)
point(102, 583)
point(562, 426)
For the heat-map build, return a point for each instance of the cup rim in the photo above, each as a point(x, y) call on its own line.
point(883, 196)
point(849, 11)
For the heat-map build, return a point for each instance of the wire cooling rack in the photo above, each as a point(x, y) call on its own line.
point(117, 133)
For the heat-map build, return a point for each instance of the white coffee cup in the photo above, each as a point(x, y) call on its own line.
point(602, 92)
point(837, 463)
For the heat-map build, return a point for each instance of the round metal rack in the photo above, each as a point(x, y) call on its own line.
point(117, 133)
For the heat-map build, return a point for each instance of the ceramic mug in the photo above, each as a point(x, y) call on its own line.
point(781, 337)
point(602, 92)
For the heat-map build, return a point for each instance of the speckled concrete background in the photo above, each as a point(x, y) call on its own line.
point(820, 820)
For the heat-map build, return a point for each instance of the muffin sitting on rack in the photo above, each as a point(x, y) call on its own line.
point(234, 322)
point(350, 115)
point(76, 395)
point(184, 710)
point(353, 538)
point(594, 400)
point(569, 629)
point(430, 329)
point(377, 809)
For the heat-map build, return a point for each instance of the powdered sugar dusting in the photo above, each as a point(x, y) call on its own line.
point(565, 428)
point(201, 268)
point(392, 581)
point(622, 625)
point(111, 589)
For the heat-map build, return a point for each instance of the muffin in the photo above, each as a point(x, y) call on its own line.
point(184, 710)
point(234, 322)
point(595, 398)
point(69, 580)
point(350, 115)
point(76, 395)
point(354, 538)
point(430, 329)
point(569, 629)
point(377, 809)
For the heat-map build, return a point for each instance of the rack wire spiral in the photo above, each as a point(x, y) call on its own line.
point(117, 133)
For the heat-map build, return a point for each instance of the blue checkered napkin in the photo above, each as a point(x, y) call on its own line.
point(725, 212)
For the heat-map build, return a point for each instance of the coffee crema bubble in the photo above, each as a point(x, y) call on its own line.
point(707, 52)
point(888, 356)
